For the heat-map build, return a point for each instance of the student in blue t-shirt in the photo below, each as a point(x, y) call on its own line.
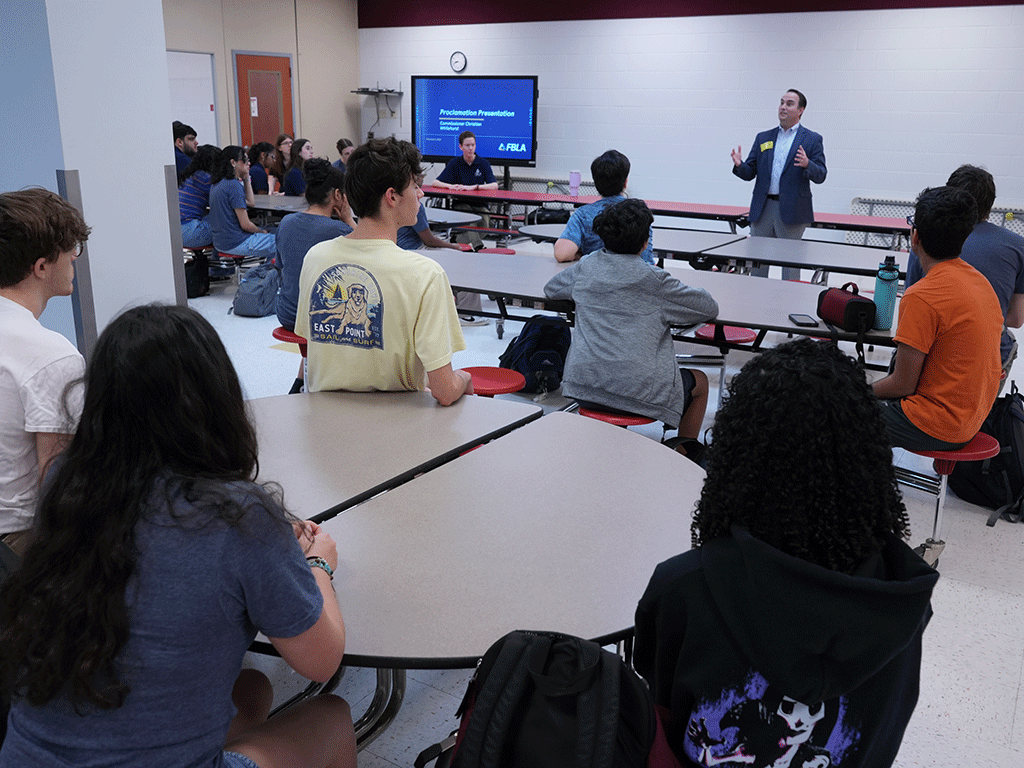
point(261, 159)
point(125, 626)
point(468, 173)
point(194, 197)
point(301, 151)
point(611, 174)
point(231, 194)
point(419, 235)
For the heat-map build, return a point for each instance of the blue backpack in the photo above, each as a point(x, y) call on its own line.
point(257, 291)
point(539, 353)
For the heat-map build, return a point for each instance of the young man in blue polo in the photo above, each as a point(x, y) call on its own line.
point(610, 172)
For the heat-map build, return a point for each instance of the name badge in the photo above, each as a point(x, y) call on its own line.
point(767, 145)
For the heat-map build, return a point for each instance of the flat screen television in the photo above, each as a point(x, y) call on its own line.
point(501, 111)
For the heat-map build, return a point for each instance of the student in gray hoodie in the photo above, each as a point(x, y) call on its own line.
point(622, 358)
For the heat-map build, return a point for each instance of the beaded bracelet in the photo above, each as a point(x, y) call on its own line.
point(319, 562)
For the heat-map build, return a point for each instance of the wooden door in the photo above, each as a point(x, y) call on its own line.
point(264, 97)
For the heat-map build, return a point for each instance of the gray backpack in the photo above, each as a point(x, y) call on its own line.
point(257, 292)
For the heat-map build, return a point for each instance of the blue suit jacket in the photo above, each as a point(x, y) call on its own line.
point(794, 184)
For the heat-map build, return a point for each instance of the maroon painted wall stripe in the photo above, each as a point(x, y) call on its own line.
point(423, 13)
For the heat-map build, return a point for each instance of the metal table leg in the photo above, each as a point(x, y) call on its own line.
point(387, 700)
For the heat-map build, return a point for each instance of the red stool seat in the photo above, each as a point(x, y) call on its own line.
point(981, 447)
point(489, 381)
point(283, 334)
point(506, 251)
point(618, 419)
point(733, 334)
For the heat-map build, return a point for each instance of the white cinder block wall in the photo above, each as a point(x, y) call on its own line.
point(901, 97)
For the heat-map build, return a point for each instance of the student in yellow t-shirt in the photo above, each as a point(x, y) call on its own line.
point(378, 317)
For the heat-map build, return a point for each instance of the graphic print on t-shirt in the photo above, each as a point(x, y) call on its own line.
point(346, 307)
point(754, 725)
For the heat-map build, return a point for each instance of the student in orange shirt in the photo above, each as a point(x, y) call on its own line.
point(946, 371)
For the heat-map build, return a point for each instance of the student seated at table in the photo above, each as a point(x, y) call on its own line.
point(419, 235)
point(947, 367)
point(611, 175)
point(378, 317)
point(155, 560)
point(467, 173)
point(300, 152)
point(231, 194)
point(791, 633)
point(261, 159)
point(282, 153)
point(194, 197)
point(995, 251)
point(345, 148)
point(622, 357)
point(298, 232)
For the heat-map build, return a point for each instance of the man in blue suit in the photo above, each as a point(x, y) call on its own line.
point(784, 161)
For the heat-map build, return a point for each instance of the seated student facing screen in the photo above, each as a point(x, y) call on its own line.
point(261, 159)
point(231, 194)
point(622, 355)
point(790, 635)
point(194, 197)
point(378, 317)
point(946, 370)
point(298, 232)
point(611, 175)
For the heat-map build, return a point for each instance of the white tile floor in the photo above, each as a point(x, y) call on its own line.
point(971, 709)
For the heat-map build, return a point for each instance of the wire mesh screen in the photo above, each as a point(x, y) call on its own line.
point(1011, 218)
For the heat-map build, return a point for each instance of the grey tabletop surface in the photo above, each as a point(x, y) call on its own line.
point(556, 526)
point(328, 450)
point(808, 254)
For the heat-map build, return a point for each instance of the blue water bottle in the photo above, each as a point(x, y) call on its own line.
point(885, 292)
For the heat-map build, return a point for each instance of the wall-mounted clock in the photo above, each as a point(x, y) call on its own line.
point(458, 61)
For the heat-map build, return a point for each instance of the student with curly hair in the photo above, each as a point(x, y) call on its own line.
point(791, 633)
point(298, 232)
point(154, 561)
point(622, 357)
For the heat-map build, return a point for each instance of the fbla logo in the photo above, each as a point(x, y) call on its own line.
point(510, 147)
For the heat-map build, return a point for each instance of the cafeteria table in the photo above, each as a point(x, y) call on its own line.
point(751, 302)
point(445, 218)
point(670, 242)
point(431, 573)
point(332, 450)
point(804, 254)
point(280, 204)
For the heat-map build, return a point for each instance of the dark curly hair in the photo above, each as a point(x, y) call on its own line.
point(321, 177)
point(799, 457)
point(163, 409)
point(624, 227)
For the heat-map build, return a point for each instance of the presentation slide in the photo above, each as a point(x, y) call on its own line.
point(501, 111)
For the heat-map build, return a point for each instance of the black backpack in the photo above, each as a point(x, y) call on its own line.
point(548, 700)
point(997, 483)
point(197, 274)
point(539, 353)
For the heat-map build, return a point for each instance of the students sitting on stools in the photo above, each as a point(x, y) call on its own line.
point(947, 368)
point(622, 358)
